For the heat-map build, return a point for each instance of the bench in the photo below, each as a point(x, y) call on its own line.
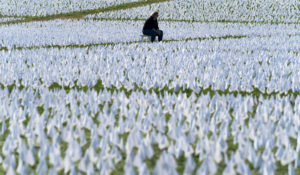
point(148, 38)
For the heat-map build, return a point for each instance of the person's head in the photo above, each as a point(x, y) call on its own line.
point(154, 15)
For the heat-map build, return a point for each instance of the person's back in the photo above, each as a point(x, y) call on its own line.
point(151, 27)
point(150, 24)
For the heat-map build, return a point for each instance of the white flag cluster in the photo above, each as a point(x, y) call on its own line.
point(215, 10)
point(52, 7)
point(85, 96)
point(89, 128)
point(267, 63)
point(85, 32)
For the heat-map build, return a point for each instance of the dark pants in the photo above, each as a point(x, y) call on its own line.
point(153, 34)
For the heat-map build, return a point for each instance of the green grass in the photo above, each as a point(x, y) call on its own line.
point(82, 13)
point(134, 42)
point(159, 91)
point(152, 161)
point(199, 21)
point(126, 43)
point(2, 140)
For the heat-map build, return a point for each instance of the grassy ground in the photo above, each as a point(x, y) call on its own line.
point(128, 42)
point(135, 42)
point(191, 21)
point(161, 91)
point(2, 140)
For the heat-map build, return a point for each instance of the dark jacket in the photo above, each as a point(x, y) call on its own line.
point(150, 24)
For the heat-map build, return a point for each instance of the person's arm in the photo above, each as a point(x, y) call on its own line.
point(156, 28)
point(156, 25)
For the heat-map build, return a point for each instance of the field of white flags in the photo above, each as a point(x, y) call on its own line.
point(81, 93)
point(50, 7)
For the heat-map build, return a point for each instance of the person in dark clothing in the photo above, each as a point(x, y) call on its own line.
point(151, 27)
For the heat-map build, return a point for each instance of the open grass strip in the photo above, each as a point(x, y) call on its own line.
point(160, 91)
point(80, 14)
point(127, 42)
point(135, 42)
point(199, 21)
